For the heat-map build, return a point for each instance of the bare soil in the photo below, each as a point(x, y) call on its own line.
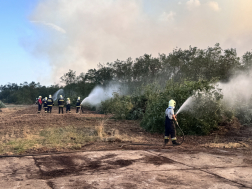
point(220, 160)
point(19, 121)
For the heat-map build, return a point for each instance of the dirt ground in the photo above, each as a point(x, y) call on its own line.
point(220, 160)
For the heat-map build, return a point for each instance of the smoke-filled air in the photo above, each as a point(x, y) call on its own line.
point(82, 33)
point(236, 92)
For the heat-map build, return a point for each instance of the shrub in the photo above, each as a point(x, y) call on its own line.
point(120, 106)
point(205, 114)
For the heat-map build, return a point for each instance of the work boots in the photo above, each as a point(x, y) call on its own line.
point(174, 142)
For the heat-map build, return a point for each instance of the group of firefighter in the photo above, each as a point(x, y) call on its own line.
point(48, 103)
point(170, 117)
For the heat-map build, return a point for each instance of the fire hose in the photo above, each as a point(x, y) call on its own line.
point(183, 135)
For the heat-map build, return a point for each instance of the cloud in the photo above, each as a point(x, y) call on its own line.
point(192, 4)
point(167, 16)
point(53, 26)
point(214, 5)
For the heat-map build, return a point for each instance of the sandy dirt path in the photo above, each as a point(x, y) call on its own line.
point(166, 168)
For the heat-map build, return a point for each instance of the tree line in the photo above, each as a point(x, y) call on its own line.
point(192, 64)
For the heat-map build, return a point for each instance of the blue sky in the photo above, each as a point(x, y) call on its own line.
point(17, 64)
point(40, 40)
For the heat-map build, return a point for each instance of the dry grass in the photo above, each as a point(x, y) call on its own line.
point(226, 145)
point(100, 129)
point(53, 137)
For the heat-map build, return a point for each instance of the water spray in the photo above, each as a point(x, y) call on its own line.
point(186, 105)
point(57, 94)
point(99, 94)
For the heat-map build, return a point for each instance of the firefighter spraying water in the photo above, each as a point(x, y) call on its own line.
point(169, 123)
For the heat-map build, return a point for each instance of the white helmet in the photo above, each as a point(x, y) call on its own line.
point(78, 98)
point(45, 98)
point(50, 96)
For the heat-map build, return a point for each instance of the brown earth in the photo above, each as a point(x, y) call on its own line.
point(220, 160)
point(18, 121)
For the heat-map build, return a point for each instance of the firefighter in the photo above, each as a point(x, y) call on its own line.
point(39, 104)
point(78, 105)
point(68, 106)
point(169, 123)
point(61, 103)
point(45, 104)
point(50, 103)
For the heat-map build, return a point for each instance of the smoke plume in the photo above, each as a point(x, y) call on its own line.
point(236, 93)
point(237, 90)
point(80, 34)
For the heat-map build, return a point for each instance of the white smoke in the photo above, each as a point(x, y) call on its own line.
point(99, 94)
point(81, 33)
point(237, 90)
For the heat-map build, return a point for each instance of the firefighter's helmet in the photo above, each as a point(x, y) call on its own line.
point(172, 103)
point(50, 96)
point(45, 98)
point(78, 98)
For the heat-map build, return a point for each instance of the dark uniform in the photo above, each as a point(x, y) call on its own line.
point(169, 124)
point(170, 128)
point(61, 104)
point(45, 105)
point(49, 104)
point(78, 105)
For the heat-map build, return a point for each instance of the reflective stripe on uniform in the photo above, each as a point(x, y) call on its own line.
point(166, 137)
point(78, 106)
point(61, 106)
point(49, 105)
point(61, 100)
point(174, 138)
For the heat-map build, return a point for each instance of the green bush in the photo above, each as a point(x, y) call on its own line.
point(2, 105)
point(206, 113)
point(120, 106)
